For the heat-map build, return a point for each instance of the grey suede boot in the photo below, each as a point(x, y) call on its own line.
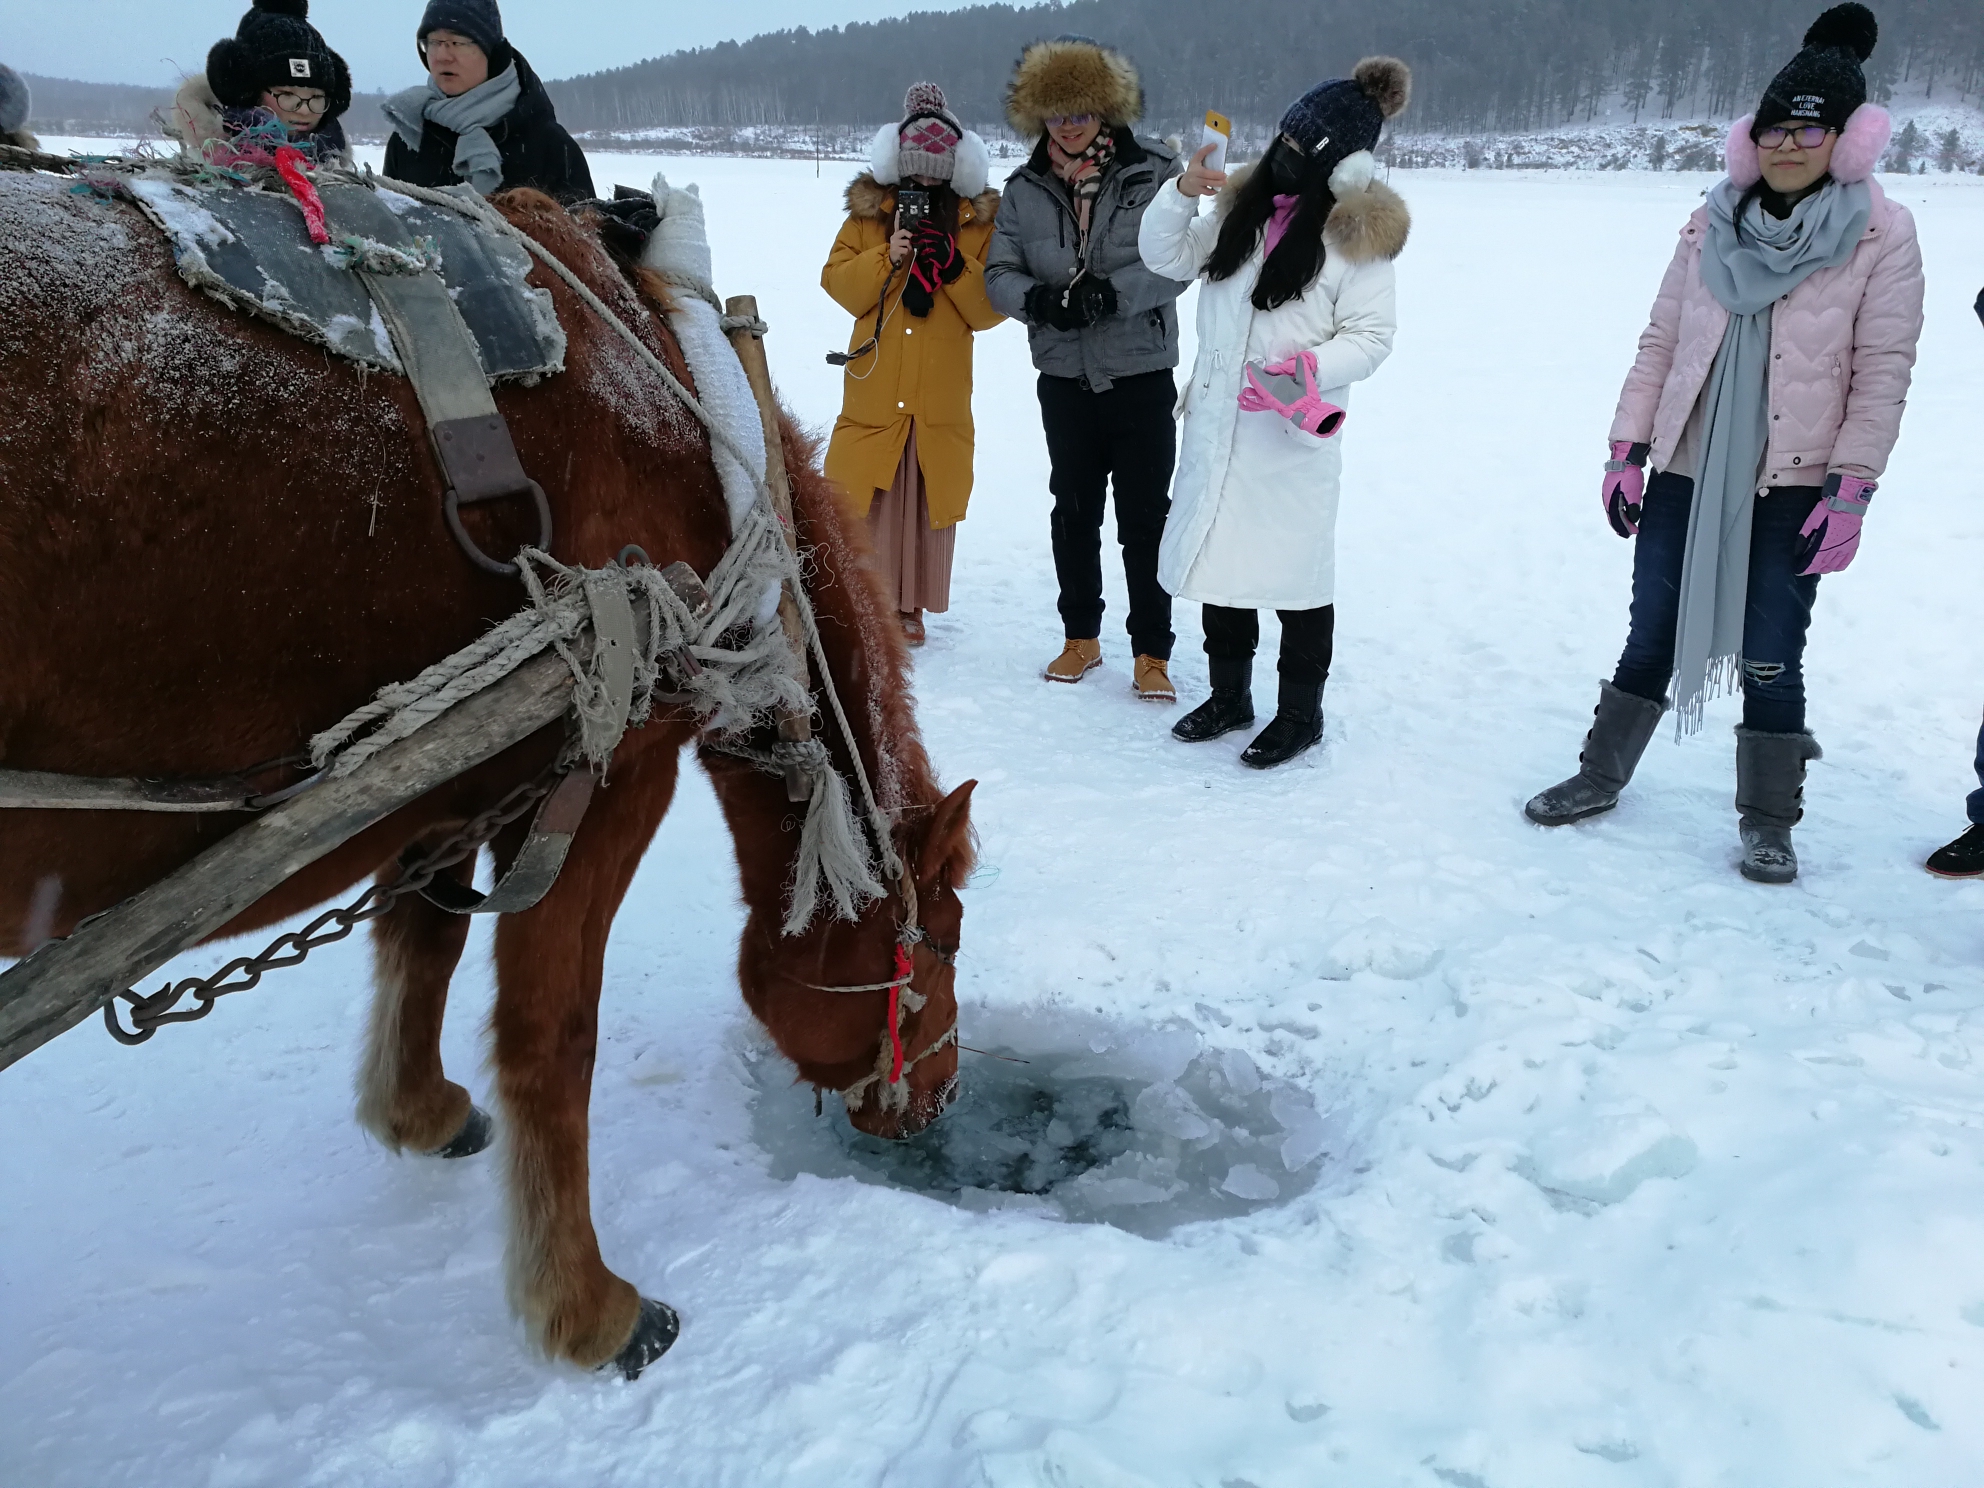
point(1770, 799)
point(1621, 727)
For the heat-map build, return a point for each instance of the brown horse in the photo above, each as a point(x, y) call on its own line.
point(216, 539)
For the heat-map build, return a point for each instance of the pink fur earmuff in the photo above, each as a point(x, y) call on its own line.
point(1854, 155)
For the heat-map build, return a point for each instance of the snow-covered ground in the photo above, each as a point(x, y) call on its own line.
point(1609, 1168)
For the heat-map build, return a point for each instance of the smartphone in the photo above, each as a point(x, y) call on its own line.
point(912, 208)
point(1218, 133)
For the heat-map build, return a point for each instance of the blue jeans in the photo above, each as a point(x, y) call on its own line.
point(1775, 618)
point(1975, 802)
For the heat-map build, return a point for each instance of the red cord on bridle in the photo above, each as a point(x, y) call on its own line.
point(904, 970)
point(289, 165)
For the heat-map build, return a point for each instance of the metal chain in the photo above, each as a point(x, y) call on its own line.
point(150, 1013)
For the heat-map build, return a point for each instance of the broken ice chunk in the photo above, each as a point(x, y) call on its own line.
point(1245, 1181)
point(1603, 1158)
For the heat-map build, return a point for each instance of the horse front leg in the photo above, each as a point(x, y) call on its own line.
point(404, 1097)
point(549, 962)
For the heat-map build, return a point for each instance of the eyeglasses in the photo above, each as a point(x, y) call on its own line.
point(448, 44)
point(1071, 121)
point(301, 103)
point(1809, 137)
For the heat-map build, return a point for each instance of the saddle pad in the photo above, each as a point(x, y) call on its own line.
point(249, 248)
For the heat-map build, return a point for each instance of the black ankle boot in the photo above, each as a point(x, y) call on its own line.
point(1230, 707)
point(1296, 726)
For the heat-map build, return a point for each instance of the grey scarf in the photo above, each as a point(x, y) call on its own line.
point(1748, 273)
point(469, 115)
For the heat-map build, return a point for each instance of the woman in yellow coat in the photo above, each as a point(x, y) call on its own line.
point(903, 443)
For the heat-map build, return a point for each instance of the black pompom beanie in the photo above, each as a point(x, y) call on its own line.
point(1341, 117)
point(276, 46)
point(1823, 84)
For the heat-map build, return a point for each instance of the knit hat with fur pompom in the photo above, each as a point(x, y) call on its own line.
point(1823, 84)
point(929, 135)
point(1341, 117)
point(275, 46)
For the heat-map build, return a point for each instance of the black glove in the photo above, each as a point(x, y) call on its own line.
point(1044, 307)
point(626, 222)
point(937, 253)
point(1093, 299)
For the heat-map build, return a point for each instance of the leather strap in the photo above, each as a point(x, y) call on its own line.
point(438, 352)
point(538, 863)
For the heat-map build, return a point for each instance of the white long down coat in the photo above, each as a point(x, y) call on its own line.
point(1253, 511)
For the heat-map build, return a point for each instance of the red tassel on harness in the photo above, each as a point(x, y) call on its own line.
point(903, 972)
point(289, 165)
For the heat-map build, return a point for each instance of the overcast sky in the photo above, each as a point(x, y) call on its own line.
point(146, 41)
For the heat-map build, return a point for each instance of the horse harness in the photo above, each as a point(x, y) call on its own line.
point(479, 464)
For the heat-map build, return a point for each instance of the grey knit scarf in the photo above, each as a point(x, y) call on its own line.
point(469, 115)
point(1748, 272)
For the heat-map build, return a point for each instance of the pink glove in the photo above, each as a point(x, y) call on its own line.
point(1624, 492)
point(1289, 389)
point(1831, 534)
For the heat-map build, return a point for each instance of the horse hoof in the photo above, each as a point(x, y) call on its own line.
point(655, 1332)
point(477, 1133)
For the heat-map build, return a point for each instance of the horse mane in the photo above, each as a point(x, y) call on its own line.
point(858, 629)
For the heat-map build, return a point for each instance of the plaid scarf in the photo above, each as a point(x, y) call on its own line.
point(1083, 175)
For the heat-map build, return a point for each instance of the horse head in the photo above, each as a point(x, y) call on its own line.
point(825, 994)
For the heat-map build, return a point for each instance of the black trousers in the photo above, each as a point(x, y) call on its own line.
point(1308, 640)
point(1126, 434)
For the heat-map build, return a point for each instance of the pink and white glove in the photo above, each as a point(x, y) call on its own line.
point(1624, 492)
point(1289, 389)
point(1831, 534)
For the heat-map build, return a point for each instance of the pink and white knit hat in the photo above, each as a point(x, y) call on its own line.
point(929, 135)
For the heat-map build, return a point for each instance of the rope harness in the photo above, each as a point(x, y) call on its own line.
point(710, 659)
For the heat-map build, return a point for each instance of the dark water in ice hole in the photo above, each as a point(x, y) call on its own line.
point(1144, 1130)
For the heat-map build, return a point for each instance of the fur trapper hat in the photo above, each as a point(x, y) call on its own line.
point(1822, 85)
point(276, 46)
point(15, 101)
point(1344, 117)
point(930, 141)
point(1068, 76)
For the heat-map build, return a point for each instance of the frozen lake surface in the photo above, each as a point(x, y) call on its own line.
point(1367, 1134)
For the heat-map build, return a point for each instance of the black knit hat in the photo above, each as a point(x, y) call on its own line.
point(1343, 116)
point(1823, 84)
point(15, 103)
point(276, 46)
point(479, 20)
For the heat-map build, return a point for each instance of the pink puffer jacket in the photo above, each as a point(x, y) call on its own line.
point(1842, 350)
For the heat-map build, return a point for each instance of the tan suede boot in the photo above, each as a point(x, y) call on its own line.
point(1076, 661)
point(1153, 681)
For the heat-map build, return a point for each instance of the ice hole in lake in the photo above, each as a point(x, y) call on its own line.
point(1144, 1129)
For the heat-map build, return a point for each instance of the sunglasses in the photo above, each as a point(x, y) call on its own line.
point(1809, 137)
point(1071, 121)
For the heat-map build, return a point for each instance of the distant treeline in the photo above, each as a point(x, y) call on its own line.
point(1487, 65)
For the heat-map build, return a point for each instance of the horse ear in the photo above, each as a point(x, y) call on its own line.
point(949, 853)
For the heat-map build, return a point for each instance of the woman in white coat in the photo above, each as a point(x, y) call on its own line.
point(1296, 305)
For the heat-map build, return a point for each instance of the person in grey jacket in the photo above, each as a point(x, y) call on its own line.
point(1104, 334)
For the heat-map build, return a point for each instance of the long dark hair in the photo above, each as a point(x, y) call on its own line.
point(1298, 258)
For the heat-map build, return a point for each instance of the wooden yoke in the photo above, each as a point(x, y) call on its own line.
point(742, 312)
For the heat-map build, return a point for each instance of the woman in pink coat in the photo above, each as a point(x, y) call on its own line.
point(1765, 400)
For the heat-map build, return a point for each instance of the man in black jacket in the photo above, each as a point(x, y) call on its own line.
point(482, 116)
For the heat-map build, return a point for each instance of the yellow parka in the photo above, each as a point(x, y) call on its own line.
point(921, 369)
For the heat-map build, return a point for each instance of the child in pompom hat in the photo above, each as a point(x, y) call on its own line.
point(276, 77)
point(902, 446)
point(1765, 400)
